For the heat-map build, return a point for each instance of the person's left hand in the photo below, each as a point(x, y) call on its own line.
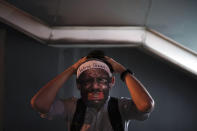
point(117, 67)
point(78, 63)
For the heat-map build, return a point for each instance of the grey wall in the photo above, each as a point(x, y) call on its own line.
point(30, 65)
point(2, 64)
point(175, 19)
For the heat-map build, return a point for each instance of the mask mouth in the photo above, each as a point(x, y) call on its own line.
point(94, 96)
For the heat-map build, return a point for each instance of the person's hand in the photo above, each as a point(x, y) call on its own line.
point(78, 63)
point(117, 67)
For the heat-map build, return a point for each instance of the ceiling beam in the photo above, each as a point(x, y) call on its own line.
point(24, 22)
point(171, 51)
point(61, 36)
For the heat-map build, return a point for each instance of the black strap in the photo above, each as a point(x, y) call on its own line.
point(113, 112)
point(79, 116)
point(114, 115)
point(123, 74)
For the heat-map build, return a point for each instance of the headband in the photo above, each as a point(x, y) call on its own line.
point(93, 64)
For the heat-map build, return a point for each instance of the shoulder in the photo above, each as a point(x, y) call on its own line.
point(124, 102)
point(124, 99)
point(69, 103)
point(129, 110)
point(61, 108)
point(69, 107)
point(71, 100)
point(121, 101)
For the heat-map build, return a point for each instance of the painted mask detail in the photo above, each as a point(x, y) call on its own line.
point(94, 87)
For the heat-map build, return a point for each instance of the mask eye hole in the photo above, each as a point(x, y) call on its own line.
point(90, 81)
point(86, 82)
point(103, 81)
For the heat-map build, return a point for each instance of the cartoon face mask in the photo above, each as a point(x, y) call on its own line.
point(94, 87)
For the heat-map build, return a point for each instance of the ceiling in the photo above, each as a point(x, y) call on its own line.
point(173, 18)
point(165, 28)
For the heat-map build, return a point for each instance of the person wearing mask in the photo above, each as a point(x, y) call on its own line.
point(95, 110)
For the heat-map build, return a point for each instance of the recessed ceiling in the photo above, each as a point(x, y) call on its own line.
point(173, 18)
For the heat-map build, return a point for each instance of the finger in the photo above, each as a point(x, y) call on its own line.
point(83, 57)
point(107, 57)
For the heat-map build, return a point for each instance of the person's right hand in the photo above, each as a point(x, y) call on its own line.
point(78, 63)
point(117, 67)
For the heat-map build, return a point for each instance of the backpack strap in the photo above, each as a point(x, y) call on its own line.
point(113, 112)
point(114, 115)
point(79, 116)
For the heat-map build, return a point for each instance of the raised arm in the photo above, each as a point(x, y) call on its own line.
point(44, 98)
point(140, 95)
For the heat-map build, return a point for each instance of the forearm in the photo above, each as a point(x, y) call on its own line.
point(140, 95)
point(44, 98)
